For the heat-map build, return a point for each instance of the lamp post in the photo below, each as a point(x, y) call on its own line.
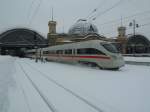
point(134, 25)
point(36, 47)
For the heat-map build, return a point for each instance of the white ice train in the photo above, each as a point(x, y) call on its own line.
point(93, 52)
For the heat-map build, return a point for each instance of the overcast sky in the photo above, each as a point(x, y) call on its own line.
point(35, 14)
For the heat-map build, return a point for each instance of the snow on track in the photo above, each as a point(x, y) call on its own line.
point(6, 81)
point(31, 101)
point(68, 90)
point(34, 87)
point(112, 91)
point(50, 106)
point(66, 101)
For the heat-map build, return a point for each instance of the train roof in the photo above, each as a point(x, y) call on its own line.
point(74, 45)
point(80, 44)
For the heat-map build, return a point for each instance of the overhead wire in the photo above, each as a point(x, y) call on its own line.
point(29, 9)
point(35, 12)
point(107, 10)
point(124, 18)
point(129, 28)
point(114, 6)
point(115, 25)
point(146, 24)
point(94, 10)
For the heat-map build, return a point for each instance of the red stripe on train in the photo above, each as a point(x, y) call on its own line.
point(92, 57)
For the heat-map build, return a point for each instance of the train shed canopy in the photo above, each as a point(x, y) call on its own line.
point(16, 41)
point(21, 37)
point(138, 44)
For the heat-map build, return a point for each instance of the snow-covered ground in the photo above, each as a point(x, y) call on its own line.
point(26, 86)
point(6, 81)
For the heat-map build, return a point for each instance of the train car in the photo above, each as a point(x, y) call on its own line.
point(93, 52)
point(34, 53)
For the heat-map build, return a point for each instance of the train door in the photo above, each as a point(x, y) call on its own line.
point(74, 53)
point(60, 54)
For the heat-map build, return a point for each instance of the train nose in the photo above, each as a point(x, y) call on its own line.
point(118, 61)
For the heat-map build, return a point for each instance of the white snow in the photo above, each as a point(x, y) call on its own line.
point(126, 90)
point(6, 81)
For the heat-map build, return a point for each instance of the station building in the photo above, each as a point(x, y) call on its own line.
point(83, 30)
point(80, 31)
point(131, 44)
point(16, 41)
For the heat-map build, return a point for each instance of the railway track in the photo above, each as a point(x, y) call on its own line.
point(49, 104)
point(44, 98)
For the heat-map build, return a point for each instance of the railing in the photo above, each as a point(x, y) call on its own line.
point(137, 63)
point(138, 55)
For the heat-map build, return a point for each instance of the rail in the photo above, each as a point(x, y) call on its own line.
point(138, 55)
point(45, 99)
point(68, 90)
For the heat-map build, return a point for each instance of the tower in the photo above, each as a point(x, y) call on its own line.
point(121, 39)
point(121, 32)
point(52, 35)
point(52, 27)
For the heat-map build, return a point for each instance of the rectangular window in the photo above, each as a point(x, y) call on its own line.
point(45, 52)
point(91, 51)
point(68, 51)
point(59, 52)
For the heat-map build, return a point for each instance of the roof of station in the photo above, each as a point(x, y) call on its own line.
point(138, 39)
point(21, 37)
point(83, 27)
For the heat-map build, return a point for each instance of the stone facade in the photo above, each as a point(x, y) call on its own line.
point(121, 39)
point(54, 38)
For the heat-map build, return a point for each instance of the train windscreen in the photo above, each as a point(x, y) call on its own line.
point(110, 48)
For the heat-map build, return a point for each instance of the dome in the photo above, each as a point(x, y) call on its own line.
point(83, 27)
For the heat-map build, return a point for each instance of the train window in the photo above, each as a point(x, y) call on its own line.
point(59, 52)
point(89, 51)
point(110, 48)
point(31, 52)
point(94, 51)
point(81, 51)
point(74, 51)
point(45, 52)
point(52, 52)
point(68, 51)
